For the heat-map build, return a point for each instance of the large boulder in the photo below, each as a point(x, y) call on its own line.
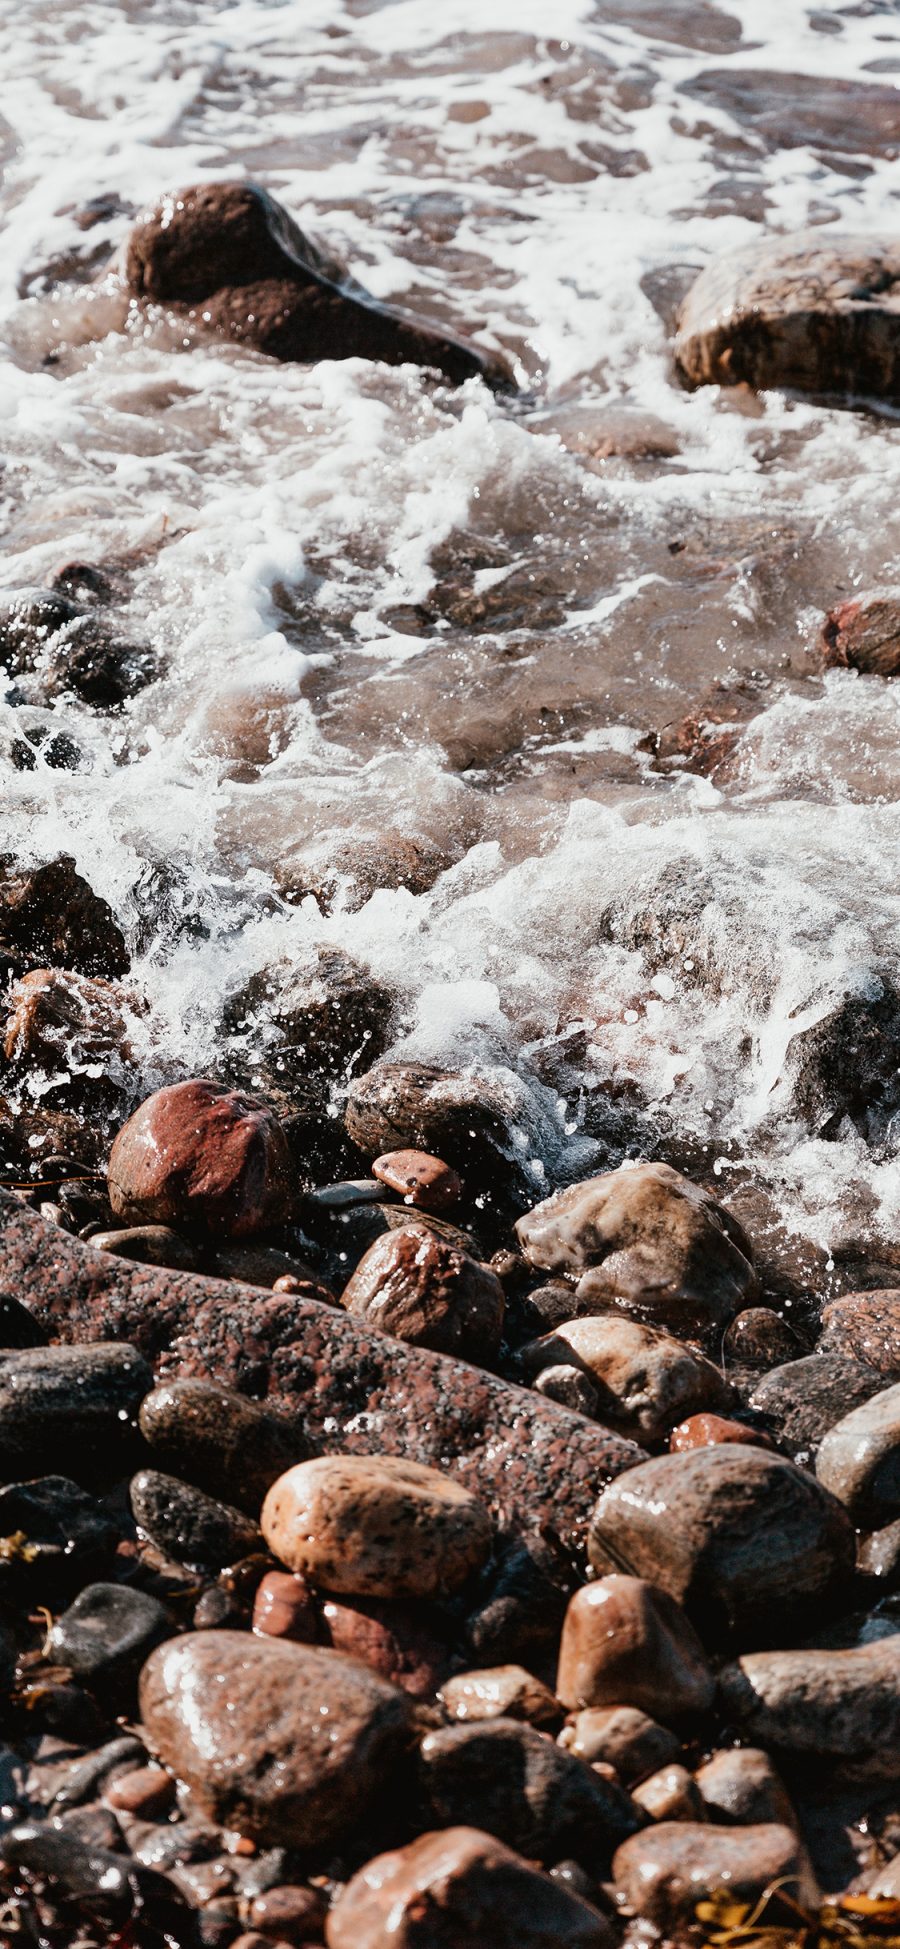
point(202, 1156)
point(231, 260)
point(843, 1706)
point(818, 311)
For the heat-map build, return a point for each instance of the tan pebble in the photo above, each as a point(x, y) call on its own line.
point(375, 1525)
point(625, 1642)
point(503, 1692)
point(424, 1180)
point(670, 1794)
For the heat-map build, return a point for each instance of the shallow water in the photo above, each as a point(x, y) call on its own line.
point(384, 608)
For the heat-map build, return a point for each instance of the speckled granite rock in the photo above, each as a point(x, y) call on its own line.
point(349, 1388)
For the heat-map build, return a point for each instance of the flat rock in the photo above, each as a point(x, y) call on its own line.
point(189, 1526)
point(644, 1379)
point(376, 1527)
point(286, 1743)
point(218, 1440)
point(841, 1704)
point(425, 1895)
point(817, 311)
point(746, 1541)
point(626, 1642)
point(428, 1293)
point(805, 1398)
point(519, 1785)
point(865, 1326)
point(647, 1242)
point(665, 1871)
point(203, 1157)
point(340, 1384)
point(67, 1406)
point(863, 633)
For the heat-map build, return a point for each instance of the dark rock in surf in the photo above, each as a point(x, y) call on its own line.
point(234, 262)
point(847, 1065)
point(863, 633)
point(50, 916)
point(50, 635)
point(475, 1121)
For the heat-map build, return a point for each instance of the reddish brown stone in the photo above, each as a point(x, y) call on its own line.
point(625, 1642)
point(706, 1430)
point(395, 1639)
point(428, 1293)
point(292, 1913)
point(864, 633)
point(419, 1178)
point(866, 1326)
point(147, 1793)
point(202, 1156)
point(283, 1608)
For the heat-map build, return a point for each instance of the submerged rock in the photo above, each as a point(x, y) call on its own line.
point(483, 1124)
point(234, 262)
point(847, 1064)
point(818, 311)
point(863, 633)
point(428, 1293)
point(200, 1156)
point(318, 1018)
point(377, 1527)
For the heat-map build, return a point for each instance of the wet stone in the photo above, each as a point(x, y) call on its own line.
point(68, 1406)
point(376, 1526)
point(741, 1786)
point(50, 916)
point(419, 1179)
point(804, 1399)
point(283, 1608)
point(840, 1704)
point(759, 1337)
point(517, 1784)
point(669, 1794)
point(709, 1430)
point(625, 1642)
point(644, 1379)
point(18, 1327)
point(113, 1882)
point(52, 1535)
point(859, 1459)
point(201, 1157)
point(504, 1692)
point(147, 1793)
point(665, 1871)
point(149, 1245)
point(428, 1293)
point(218, 1440)
point(623, 1737)
point(188, 1525)
point(878, 1558)
point(401, 1641)
point(572, 1388)
point(86, 1778)
point(519, 1601)
point(107, 1632)
point(291, 1913)
point(865, 1327)
point(323, 1016)
point(282, 1742)
point(847, 1063)
point(65, 646)
point(469, 1120)
point(863, 633)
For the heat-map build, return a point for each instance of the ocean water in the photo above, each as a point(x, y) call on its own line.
point(387, 611)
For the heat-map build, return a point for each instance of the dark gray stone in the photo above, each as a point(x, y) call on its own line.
point(805, 1398)
point(189, 1526)
point(509, 1780)
point(67, 1407)
point(108, 1632)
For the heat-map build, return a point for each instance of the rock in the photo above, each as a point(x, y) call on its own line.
point(231, 259)
point(421, 1180)
point(645, 1379)
point(747, 1542)
point(85, 1778)
point(863, 633)
point(572, 1388)
point(376, 1526)
point(757, 1337)
point(189, 1526)
point(51, 917)
point(401, 1641)
point(283, 1608)
point(740, 1785)
point(538, 1467)
point(149, 1245)
point(878, 1557)
point(200, 1156)
point(107, 1632)
point(265, 1266)
point(802, 1400)
point(622, 1737)
point(282, 1742)
point(841, 1704)
point(289, 1914)
point(74, 1024)
point(215, 1438)
point(68, 1405)
point(476, 1121)
point(547, 1306)
point(18, 1327)
point(147, 1793)
point(644, 1241)
point(815, 311)
point(428, 1293)
point(52, 1535)
point(320, 1016)
point(64, 643)
point(846, 1064)
point(519, 1785)
point(665, 1871)
point(425, 1896)
point(348, 1233)
point(708, 1430)
point(109, 1883)
point(520, 1600)
point(859, 1459)
point(669, 1794)
point(864, 1327)
point(625, 1642)
point(504, 1692)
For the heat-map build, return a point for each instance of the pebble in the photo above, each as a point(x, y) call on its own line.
point(645, 1241)
point(625, 1642)
point(747, 1542)
point(376, 1526)
point(511, 1781)
point(107, 1633)
point(859, 1459)
point(344, 1195)
point(709, 1430)
point(644, 1378)
point(65, 1405)
point(865, 1327)
point(286, 1743)
point(805, 1398)
point(663, 1872)
point(429, 1293)
point(622, 1737)
point(759, 1337)
point(572, 1388)
point(741, 1786)
point(843, 1704)
point(422, 1180)
point(878, 1557)
point(669, 1794)
point(217, 1439)
point(283, 1608)
point(147, 1793)
point(399, 1640)
point(188, 1525)
point(86, 1778)
point(108, 1882)
point(809, 311)
point(63, 1534)
point(863, 633)
point(264, 1266)
point(504, 1692)
point(204, 1157)
point(424, 1895)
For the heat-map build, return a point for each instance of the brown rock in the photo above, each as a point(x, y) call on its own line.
point(709, 1430)
point(625, 1642)
point(204, 1157)
point(376, 1526)
point(292, 1913)
point(285, 1743)
point(816, 311)
point(878, 1557)
point(669, 1794)
point(283, 1608)
point(401, 1641)
point(321, 1014)
point(621, 1737)
point(518, 1784)
point(51, 917)
point(441, 1889)
point(217, 1439)
point(644, 1241)
point(506, 1692)
point(859, 1459)
point(149, 1245)
point(864, 633)
point(264, 1266)
point(746, 1541)
point(866, 1326)
point(233, 260)
point(428, 1293)
point(840, 1704)
point(420, 1179)
point(573, 1388)
point(665, 1871)
point(740, 1785)
point(805, 1398)
point(147, 1793)
point(60, 1020)
point(758, 1337)
point(470, 1118)
point(644, 1378)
